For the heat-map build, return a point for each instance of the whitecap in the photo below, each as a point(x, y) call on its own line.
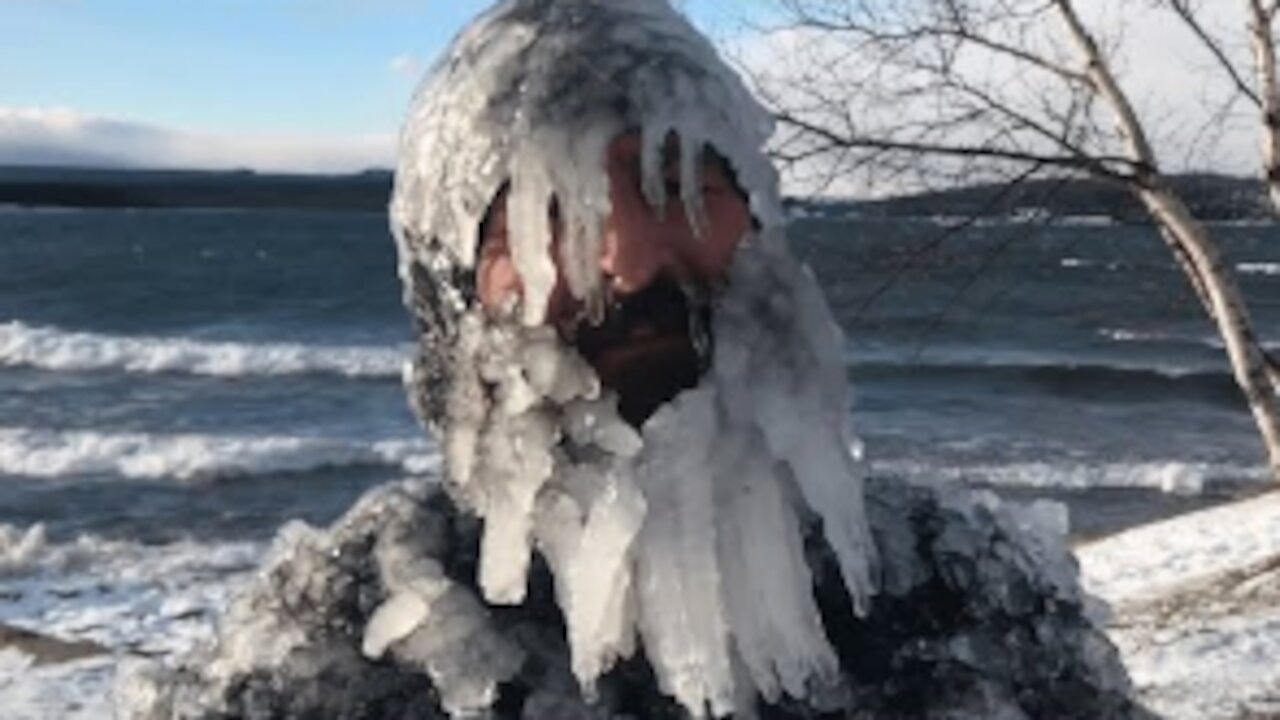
point(43, 453)
point(49, 348)
point(1169, 476)
point(1258, 268)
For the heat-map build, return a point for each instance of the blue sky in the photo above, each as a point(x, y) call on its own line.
point(287, 70)
point(322, 85)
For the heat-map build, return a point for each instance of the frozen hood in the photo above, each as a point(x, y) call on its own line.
point(529, 96)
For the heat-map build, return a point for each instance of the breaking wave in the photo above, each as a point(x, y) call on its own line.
point(1082, 263)
point(127, 596)
point(47, 454)
point(48, 348)
point(1212, 342)
point(1112, 382)
point(28, 550)
point(1182, 478)
point(1258, 268)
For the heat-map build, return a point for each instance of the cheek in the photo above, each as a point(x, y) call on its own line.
point(497, 282)
point(730, 221)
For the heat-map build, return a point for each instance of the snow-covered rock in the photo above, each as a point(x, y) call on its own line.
point(977, 618)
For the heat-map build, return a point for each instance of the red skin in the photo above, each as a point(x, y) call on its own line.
point(639, 246)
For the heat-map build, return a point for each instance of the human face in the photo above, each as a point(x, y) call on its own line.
point(644, 349)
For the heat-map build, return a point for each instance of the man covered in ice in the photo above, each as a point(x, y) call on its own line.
point(652, 504)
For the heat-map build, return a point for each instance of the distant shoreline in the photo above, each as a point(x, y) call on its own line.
point(105, 189)
point(1212, 198)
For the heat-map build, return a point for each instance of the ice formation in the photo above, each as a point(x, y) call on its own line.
point(531, 95)
point(975, 619)
point(642, 532)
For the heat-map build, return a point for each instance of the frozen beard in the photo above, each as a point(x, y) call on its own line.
point(649, 346)
point(687, 534)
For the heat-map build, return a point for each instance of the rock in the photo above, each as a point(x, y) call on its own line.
point(979, 616)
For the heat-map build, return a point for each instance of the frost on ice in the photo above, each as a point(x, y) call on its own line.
point(718, 557)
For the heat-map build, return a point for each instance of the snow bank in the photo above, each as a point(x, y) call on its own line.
point(1196, 608)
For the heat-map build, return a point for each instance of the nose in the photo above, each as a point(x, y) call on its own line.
point(640, 244)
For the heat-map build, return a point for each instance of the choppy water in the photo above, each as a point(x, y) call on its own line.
point(176, 374)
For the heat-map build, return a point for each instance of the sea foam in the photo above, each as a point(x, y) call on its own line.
point(185, 457)
point(50, 348)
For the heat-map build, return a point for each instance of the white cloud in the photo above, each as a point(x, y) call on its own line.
point(406, 65)
point(59, 136)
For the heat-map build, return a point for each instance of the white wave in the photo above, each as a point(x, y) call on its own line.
point(48, 454)
point(1122, 335)
point(59, 350)
point(1174, 477)
point(1087, 221)
point(1259, 268)
point(122, 594)
point(129, 598)
point(1213, 342)
point(943, 358)
point(1081, 263)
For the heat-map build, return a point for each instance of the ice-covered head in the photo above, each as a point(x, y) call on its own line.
point(525, 105)
point(626, 369)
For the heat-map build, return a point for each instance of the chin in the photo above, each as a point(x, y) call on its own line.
point(648, 376)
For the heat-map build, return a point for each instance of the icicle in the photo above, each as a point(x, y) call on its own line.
point(777, 630)
point(602, 619)
point(682, 616)
point(653, 181)
point(517, 462)
point(691, 182)
point(529, 230)
point(585, 203)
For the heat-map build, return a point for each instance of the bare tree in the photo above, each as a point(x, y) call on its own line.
point(927, 93)
point(1262, 33)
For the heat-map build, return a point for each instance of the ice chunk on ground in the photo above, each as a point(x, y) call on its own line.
point(393, 621)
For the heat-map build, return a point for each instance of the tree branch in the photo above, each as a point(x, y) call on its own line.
point(1182, 9)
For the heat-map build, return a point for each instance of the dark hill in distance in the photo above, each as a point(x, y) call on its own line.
point(1211, 197)
point(71, 187)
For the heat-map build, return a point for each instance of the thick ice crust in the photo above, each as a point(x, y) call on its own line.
point(980, 616)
